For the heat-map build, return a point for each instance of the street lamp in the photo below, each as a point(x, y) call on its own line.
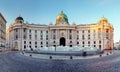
point(21, 38)
point(103, 35)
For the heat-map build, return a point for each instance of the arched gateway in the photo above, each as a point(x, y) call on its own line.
point(62, 41)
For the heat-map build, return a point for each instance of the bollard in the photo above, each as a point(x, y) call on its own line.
point(71, 57)
point(107, 54)
point(30, 55)
point(23, 53)
point(110, 52)
point(50, 57)
point(84, 54)
point(100, 55)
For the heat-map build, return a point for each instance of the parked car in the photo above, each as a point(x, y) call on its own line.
point(15, 49)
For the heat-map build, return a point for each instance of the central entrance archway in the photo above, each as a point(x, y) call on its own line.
point(62, 41)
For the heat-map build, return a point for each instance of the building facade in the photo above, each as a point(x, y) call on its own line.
point(24, 35)
point(117, 45)
point(2, 31)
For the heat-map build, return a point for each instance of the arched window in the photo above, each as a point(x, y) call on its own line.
point(21, 21)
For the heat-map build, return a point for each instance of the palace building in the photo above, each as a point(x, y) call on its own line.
point(2, 31)
point(24, 35)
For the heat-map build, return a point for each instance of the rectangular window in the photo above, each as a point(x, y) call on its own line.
point(35, 42)
point(41, 31)
point(30, 31)
point(100, 46)
point(41, 42)
point(30, 42)
point(53, 41)
point(30, 37)
point(94, 31)
point(24, 36)
point(24, 42)
point(77, 37)
point(35, 46)
point(107, 36)
point(94, 35)
point(24, 46)
point(88, 36)
point(54, 36)
point(88, 31)
point(83, 46)
point(70, 31)
point(54, 45)
point(94, 42)
point(46, 31)
point(88, 42)
point(70, 45)
point(107, 30)
point(35, 31)
point(16, 36)
point(41, 37)
point(99, 35)
point(54, 31)
point(46, 37)
point(35, 36)
point(46, 42)
point(99, 29)
point(16, 30)
point(70, 37)
point(82, 31)
point(77, 42)
point(30, 46)
point(83, 42)
point(24, 29)
point(99, 42)
point(83, 37)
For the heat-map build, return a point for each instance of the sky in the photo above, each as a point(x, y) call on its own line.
point(77, 11)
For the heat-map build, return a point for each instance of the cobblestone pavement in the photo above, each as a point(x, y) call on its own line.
point(65, 57)
point(14, 62)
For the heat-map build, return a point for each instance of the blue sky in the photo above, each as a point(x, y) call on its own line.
point(78, 11)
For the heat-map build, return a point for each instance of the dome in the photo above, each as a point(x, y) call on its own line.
point(19, 18)
point(61, 16)
point(103, 19)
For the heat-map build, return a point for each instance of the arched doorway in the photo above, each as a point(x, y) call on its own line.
point(62, 41)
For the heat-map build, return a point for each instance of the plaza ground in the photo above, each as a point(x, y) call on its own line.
point(64, 56)
point(11, 61)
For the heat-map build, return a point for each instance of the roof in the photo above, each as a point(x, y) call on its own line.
point(3, 17)
point(19, 18)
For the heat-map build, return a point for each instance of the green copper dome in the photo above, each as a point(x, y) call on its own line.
point(61, 16)
point(103, 19)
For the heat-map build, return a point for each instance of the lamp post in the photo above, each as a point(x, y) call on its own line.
point(21, 38)
point(103, 35)
point(0, 35)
